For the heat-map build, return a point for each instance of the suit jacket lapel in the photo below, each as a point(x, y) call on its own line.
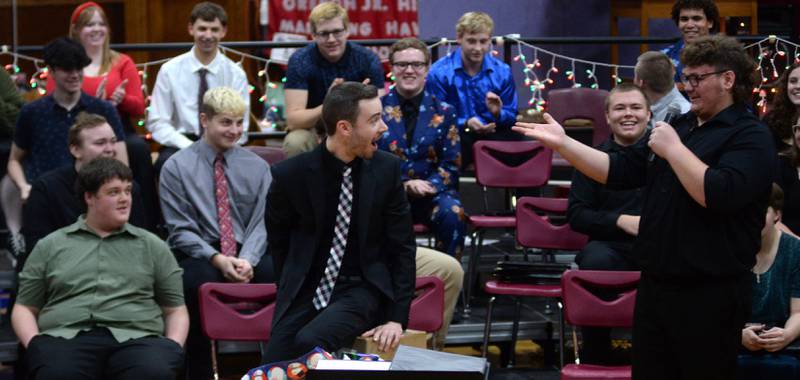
point(366, 191)
point(316, 187)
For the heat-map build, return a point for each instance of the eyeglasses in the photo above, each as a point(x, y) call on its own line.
point(795, 128)
point(695, 79)
point(417, 66)
point(324, 35)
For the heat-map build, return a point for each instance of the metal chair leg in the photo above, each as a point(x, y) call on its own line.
point(514, 333)
point(472, 267)
point(487, 327)
point(214, 366)
point(561, 333)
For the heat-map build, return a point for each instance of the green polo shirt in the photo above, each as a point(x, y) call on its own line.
point(79, 280)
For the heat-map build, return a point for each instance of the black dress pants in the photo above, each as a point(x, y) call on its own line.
point(197, 272)
point(603, 255)
point(95, 354)
point(689, 328)
point(353, 309)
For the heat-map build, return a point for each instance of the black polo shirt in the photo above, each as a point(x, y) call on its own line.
point(679, 238)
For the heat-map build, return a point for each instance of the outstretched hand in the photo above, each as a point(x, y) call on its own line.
point(549, 133)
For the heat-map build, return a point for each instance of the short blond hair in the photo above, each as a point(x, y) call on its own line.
point(223, 100)
point(474, 22)
point(327, 11)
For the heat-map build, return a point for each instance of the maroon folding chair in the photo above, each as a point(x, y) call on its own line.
point(491, 172)
point(581, 103)
point(534, 231)
point(583, 308)
point(241, 312)
point(427, 307)
point(272, 155)
point(423, 230)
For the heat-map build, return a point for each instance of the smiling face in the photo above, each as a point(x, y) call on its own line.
point(362, 137)
point(331, 36)
point(223, 130)
point(110, 206)
point(793, 87)
point(693, 24)
point(627, 116)
point(473, 47)
point(207, 35)
point(713, 92)
point(95, 32)
point(409, 68)
point(99, 141)
point(68, 81)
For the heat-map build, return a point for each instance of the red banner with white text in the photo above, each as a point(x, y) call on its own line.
point(369, 19)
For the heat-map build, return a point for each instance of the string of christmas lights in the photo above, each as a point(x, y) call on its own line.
point(773, 58)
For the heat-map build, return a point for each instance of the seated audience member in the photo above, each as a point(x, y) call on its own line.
point(101, 299)
point(609, 217)
point(40, 139)
point(430, 262)
point(775, 320)
point(174, 117)
point(53, 202)
point(113, 76)
point(313, 69)
point(10, 103)
point(789, 181)
point(694, 19)
point(213, 195)
point(479, 86)
point(654, 74)
point(423, 133)
point(339, 230)
point(785, 110)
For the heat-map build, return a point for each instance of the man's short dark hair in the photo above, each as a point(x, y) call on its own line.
point(208, 11)
point(776, 198)
point(66, 53)
point(656, 70)
point(409, 43)
point(98, 172)
point(341, 103)
point(626, 87)
point(708, 7)
point(723, 53)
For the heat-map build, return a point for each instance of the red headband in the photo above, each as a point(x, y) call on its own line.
point(77, 12)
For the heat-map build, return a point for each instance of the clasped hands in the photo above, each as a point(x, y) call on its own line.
point(233, 269)
point(756, 338)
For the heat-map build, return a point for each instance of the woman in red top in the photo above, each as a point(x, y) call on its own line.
point(113, 76)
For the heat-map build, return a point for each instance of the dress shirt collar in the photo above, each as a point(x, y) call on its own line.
point(213, 67)
point(458, 64)
point(724, 118)
point(83, 102)
point(333, 163)
point(80, 225)
point(208, 154)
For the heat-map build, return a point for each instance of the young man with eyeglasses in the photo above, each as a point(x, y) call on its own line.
point(479, 86)
point(707, 178)
point(314, 69)
point(422, 132)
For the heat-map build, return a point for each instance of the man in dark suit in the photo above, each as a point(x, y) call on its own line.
point(339, 231)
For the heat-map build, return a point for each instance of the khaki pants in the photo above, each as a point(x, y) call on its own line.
point(299, 141)
point(443, 266)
